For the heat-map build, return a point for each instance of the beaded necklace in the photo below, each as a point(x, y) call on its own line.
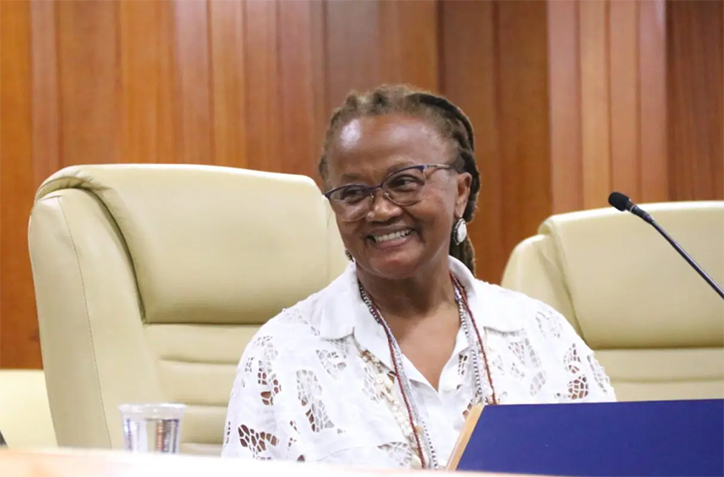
point(417, 429)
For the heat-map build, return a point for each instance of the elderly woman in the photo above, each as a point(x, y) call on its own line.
point(381, 367)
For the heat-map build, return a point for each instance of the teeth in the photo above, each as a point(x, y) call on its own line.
point(392, 236)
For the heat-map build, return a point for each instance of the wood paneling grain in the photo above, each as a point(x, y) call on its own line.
point(495, 67)
point(569, 100)
point(624, 91)
point(45, 104)
point(696, 99)
point(302, 121)
point(409, 43)
point(523, 117)
point(468, 78)
point(89, 81)
point(263, 105)
point(352, 48)
point(228, 73)
point(19, 343)
point(653, 115)
point(595, 102)
point(193, 84)
point(147, 81)
point(564, 79)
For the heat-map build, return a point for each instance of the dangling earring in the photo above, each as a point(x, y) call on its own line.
point(349, 256)
point(460, 231)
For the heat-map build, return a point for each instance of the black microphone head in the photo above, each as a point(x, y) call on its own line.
point(619, 201)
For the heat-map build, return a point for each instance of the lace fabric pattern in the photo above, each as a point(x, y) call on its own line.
point(302, 397)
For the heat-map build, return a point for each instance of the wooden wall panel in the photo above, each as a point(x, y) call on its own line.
point(228, 73)
point(624, 97)
point(564, 80)
point(352, 48)
point(608, 101)
point(46, 138)
point(523, 119)
point(89, 81)
point(653, 109)
point(595, 102)
point(263, 105)
point(569, 100)
point(409, 49)
point(495, 67)
point(302, 104)
point(147, 81)
point(192, 82)
point(696, 100)
point(468, 38)
point(18, 333)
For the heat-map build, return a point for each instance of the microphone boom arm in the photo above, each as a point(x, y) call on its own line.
point(623, 203)
point(688, 258)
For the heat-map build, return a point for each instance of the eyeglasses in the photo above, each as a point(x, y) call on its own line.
point(402, 187)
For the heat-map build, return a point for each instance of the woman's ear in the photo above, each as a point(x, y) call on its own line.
point(464, 180)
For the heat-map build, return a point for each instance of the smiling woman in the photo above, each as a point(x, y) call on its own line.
point(381, 367)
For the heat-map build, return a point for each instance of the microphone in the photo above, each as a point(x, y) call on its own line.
point(623, 203)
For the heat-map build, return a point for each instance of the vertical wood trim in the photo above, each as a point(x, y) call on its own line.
point(89, 80)
point(296, 56)
point(263, 114)
point(409, 43)
point(147, 81)
point(624, 81)
point(565, 105)
point(595, 103)
point(19, 340)
point(193, 83)
point(228, 73)
point(696, 97)
point(523, 121)
point(353, 47)
point(653, 108)
point(469, 73)
point(390, 32)
point(46, 107)
point(321, 113)
point(166, 90)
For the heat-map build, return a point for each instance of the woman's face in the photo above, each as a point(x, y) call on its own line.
point(365, 152)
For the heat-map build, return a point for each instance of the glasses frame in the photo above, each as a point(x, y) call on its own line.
point(371, 191)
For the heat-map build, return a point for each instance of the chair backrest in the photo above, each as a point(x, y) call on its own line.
point(654, 323)
point(151, 279)
point(25, 420)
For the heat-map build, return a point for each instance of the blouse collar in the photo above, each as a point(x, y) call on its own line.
point(344, 312)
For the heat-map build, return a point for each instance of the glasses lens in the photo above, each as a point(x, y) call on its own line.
point(404, 187)
point(351, 202)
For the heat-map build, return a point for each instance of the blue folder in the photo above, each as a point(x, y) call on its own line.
point(652, 438)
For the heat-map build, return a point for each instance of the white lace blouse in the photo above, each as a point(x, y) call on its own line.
point(303, 391)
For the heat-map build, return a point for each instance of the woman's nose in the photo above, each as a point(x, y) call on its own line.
point(382, 208)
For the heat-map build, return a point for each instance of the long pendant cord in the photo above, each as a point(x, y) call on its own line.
point(420, 431)
point(464, 298)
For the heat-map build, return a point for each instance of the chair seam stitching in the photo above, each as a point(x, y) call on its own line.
point(85, 301)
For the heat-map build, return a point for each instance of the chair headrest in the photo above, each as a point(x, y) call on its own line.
point(630, 288)
point(214, 244)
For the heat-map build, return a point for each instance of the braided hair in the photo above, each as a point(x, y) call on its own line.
point(449, 120)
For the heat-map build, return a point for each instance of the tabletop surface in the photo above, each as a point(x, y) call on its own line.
point(92, 463)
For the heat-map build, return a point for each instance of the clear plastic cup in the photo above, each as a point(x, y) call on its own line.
point(152, 427)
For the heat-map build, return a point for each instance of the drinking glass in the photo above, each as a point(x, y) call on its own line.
point(152, 427)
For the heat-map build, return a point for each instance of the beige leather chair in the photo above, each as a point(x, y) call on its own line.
point(25, 420)
point(655, 325)
point(151, 279)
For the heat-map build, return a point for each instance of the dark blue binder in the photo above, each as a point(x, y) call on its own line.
point(652, 438)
